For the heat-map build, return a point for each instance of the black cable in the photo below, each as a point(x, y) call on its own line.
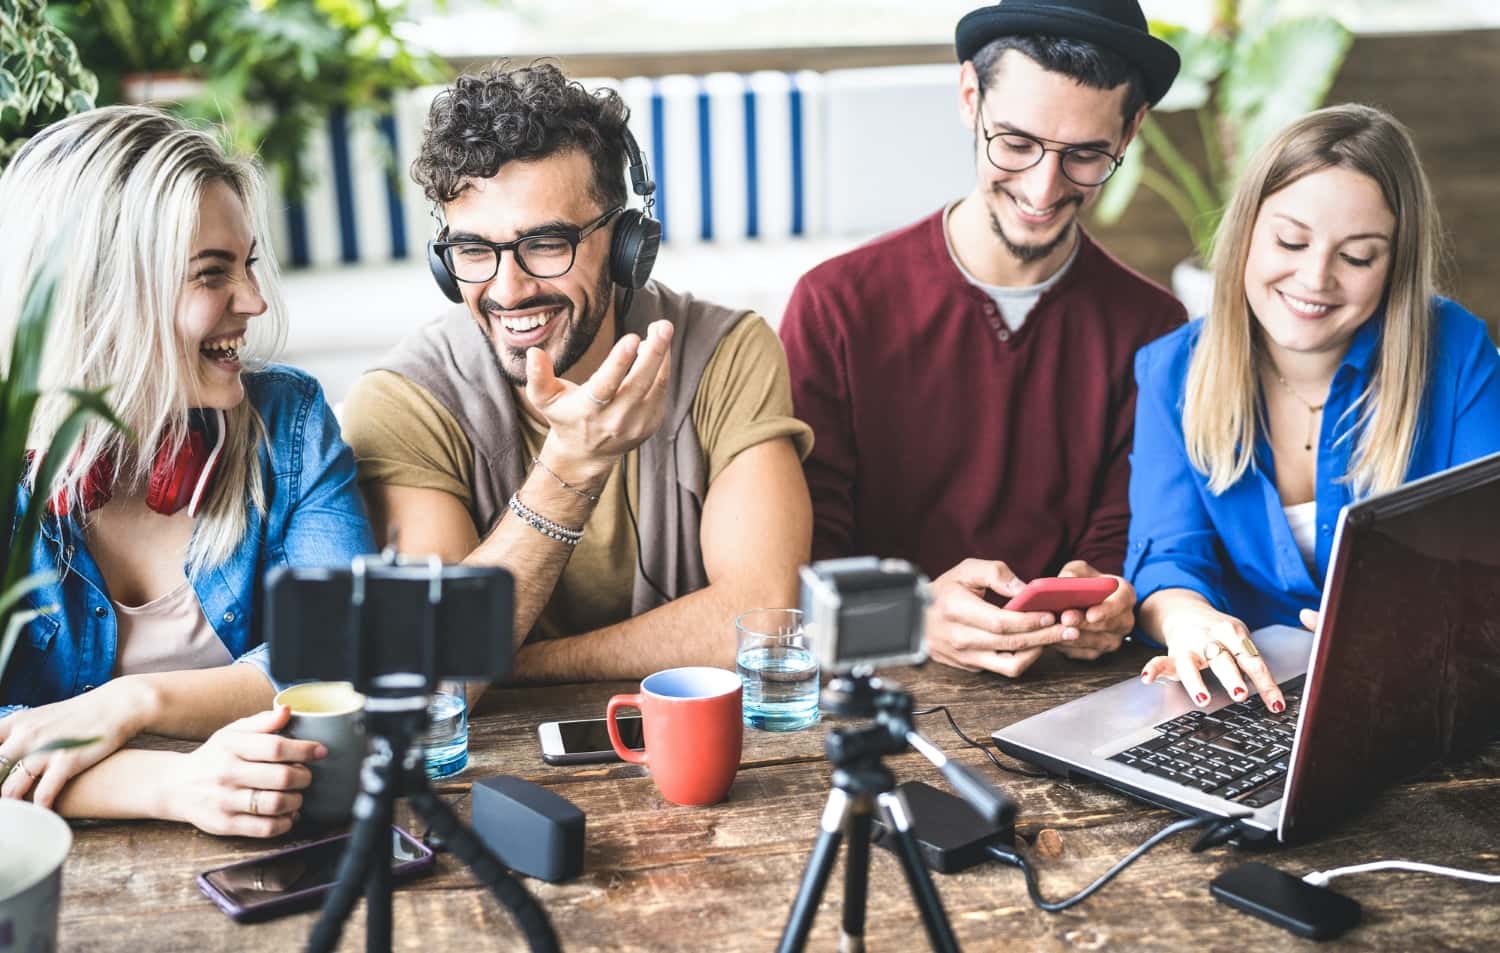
point(1013, 858)
point(974, 744)
point(464, 844)
point(640, 563)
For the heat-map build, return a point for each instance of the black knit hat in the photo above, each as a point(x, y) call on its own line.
point(1117, 25)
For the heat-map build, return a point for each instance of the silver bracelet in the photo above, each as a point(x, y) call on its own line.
point(542, 525)
point(537, 462)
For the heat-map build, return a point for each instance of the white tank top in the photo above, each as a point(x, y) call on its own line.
point(1303, 519)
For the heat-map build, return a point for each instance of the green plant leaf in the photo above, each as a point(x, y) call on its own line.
point(1204, 58)
point(13, 626)
point(1115, 197)
point(1284, 73)
point(10, 90)
point(18, 589)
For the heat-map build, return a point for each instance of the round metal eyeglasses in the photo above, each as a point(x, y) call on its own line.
point(1013, 151)
point(546, 254)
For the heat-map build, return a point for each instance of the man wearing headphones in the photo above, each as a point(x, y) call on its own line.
point(626, 450)
point(969, 377)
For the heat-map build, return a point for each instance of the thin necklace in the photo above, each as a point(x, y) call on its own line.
point(1312, 409)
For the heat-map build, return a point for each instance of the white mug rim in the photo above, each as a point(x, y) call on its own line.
point(357, 702)
point(731, 681)
point(54, 851)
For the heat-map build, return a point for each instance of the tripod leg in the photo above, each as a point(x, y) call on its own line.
point(856, 875)
point(378, 882)
point(815, 878)
point(466, 846)
point(367, 838)
point(939, 932)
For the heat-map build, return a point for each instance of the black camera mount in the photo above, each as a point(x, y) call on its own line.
point(861, 783)
point(396, 720)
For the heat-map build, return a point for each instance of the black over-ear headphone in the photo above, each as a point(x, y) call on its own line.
point(632, 253)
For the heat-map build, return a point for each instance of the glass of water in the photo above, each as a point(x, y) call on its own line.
point(446, 743)
point(778, 670)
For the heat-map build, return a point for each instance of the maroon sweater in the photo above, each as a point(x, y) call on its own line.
point(940, 434)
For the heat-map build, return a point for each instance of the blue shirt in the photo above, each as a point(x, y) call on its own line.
point(314, 517)
point(1236, 548)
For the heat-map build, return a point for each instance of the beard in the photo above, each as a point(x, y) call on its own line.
point(1026, 254)
point(578, 335)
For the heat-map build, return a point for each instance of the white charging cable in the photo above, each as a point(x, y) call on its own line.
point(1320, 878)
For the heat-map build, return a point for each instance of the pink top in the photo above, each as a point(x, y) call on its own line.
point(167, 634)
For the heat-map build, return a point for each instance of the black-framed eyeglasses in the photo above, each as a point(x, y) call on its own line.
point(1012, 151)
point(547, 254)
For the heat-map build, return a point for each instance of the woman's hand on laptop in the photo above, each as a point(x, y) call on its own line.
point(1309, 619)
point(1198, 636)
point(965, 631)
point(1100, 628)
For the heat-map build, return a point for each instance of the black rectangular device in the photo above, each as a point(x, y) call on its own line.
point(295, 878)
point(311, 626)
point(950, 834)
point(1286, 901)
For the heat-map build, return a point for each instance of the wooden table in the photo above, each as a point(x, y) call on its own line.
point(660, 877)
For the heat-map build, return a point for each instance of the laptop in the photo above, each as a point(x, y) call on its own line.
point(1404, 671)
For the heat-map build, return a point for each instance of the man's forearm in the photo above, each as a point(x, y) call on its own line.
point(697, 629)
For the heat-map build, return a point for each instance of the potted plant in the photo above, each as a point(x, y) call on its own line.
point(1244, 78)
point(36, 840)
point(269, 70)
point(41, 78)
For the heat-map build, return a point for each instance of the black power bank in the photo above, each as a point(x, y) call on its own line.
point(1289, 902)
point(950, 835)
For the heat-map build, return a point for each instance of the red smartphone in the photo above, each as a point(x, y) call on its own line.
point(1058, 594)
point(295, 878)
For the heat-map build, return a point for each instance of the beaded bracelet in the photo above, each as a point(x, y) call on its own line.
point(543, 525)
point(537, 461)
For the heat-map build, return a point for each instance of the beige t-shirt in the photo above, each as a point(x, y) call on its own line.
point(168, 634)
point(403, 436)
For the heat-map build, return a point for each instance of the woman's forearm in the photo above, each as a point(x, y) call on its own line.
point(127, 784)
point(1153, 615)
point(194, 703)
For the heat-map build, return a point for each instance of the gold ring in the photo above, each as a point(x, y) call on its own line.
point(254, 793)
point(5, 765)
point(1250, 648)
point(22, 765)
point(1213, 644)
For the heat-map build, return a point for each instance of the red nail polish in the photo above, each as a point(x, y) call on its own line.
point(1278, 706)
point(1239, 693)
point(1145, 672)
point(1202, 698)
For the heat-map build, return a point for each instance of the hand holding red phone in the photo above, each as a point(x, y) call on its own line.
point(1103, 626)
point(965, 631)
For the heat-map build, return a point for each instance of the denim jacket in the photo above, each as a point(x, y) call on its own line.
point(314, 517)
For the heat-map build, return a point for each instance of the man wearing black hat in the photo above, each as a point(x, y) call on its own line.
point(969, 378)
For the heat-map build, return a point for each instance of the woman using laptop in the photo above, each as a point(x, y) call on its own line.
point(158, 538)
point(1328, 369)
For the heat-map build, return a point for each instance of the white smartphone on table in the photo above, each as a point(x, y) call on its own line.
point(586, 741)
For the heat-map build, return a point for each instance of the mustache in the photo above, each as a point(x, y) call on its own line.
point(493, 308)
point(1075, 199)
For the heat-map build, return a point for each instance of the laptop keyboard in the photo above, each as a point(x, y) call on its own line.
point(1239, 752)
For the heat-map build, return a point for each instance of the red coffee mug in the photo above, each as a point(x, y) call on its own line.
point(690, 718)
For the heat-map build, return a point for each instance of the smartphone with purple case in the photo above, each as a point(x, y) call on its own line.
point(297, 877)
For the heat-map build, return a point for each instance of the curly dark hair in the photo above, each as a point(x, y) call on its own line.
point(530, 112)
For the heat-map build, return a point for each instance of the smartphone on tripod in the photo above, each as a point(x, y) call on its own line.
point(297, 878)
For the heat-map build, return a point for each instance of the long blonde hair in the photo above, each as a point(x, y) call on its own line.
point(114, 193)
point(1222, 407)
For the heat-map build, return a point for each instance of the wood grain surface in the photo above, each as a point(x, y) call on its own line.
point(664, 878)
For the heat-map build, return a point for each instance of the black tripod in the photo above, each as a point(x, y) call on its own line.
point(395, 721)
point(860, 783)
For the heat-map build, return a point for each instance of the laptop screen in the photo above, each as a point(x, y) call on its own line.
point(1405, 668)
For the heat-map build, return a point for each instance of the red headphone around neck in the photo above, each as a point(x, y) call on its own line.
point(177, 480)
